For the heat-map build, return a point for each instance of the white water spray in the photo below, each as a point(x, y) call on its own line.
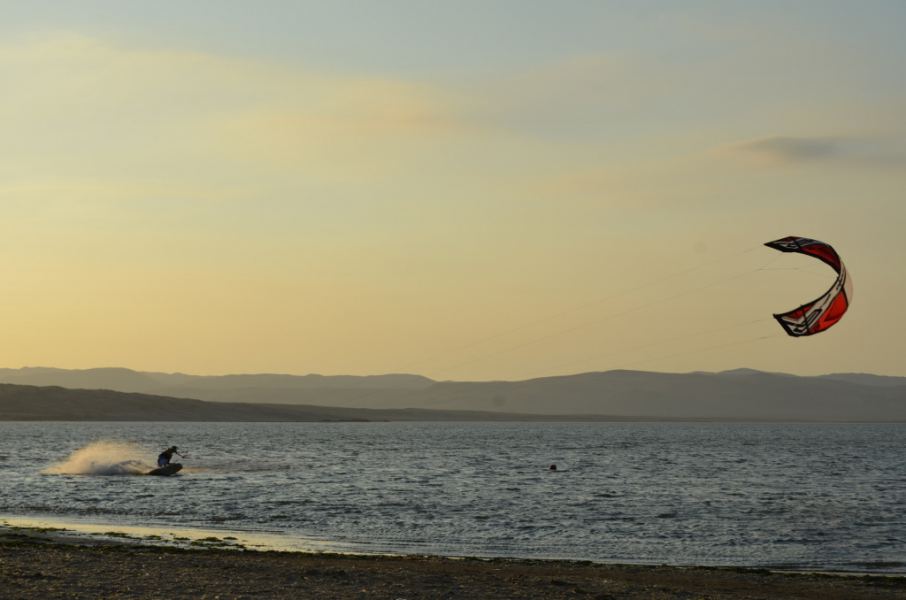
point(103, 457)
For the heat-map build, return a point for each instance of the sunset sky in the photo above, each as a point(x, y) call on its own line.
point(466, 190)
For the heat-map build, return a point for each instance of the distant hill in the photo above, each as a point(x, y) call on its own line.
point(127, 380)
point(733, 396)
point(740, 394)
point(868, 379)
point(372, 391)
point(33, 403)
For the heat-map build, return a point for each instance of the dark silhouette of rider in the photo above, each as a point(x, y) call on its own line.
point(164, 458)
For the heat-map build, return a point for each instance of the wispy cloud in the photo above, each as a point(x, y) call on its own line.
point(78, 106)
point(788, 150)
point(792, 149)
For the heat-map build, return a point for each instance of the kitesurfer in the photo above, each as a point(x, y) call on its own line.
point(164, 457)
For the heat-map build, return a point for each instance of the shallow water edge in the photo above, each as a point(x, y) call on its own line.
point(92, 533)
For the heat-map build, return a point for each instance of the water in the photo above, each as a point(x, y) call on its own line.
point(797, 496)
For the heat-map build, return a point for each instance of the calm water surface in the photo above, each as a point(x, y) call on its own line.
point(801, 496)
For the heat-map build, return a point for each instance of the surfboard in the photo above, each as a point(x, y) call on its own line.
point(170, 469)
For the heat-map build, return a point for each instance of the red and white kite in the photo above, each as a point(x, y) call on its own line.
point(823, 312)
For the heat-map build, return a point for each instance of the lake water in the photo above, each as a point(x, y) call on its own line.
point(796, 496)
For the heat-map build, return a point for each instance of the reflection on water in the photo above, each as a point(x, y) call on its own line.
point(809, 496)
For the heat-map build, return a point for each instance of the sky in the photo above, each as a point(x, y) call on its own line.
point(469, 190)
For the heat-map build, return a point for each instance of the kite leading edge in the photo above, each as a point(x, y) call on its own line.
point(823, 312)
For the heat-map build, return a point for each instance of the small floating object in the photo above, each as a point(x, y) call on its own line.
point(553, 467)
point(170, 469)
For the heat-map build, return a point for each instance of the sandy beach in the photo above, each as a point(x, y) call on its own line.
point(43, 565)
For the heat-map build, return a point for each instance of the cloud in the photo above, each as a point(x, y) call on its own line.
point(789, 150)
point(792, 149)
point(80, 107)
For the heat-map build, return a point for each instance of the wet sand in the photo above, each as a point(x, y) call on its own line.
point(36, 566)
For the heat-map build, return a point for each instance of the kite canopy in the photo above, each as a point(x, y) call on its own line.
point(823, 312)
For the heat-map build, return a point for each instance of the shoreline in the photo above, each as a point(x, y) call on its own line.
point(72, 530)
point(86, 531)
point(39, 563)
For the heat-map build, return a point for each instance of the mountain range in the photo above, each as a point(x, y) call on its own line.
point(52, 403)
point(740, 394)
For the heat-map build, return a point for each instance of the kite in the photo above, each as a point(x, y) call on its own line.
point(823, 312)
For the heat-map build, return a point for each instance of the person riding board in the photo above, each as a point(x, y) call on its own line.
point(164, 458)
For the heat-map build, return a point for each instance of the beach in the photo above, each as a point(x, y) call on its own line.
point(36, 564)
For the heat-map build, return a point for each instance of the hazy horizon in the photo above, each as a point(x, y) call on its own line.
point(416, 374)
point(469, 192)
